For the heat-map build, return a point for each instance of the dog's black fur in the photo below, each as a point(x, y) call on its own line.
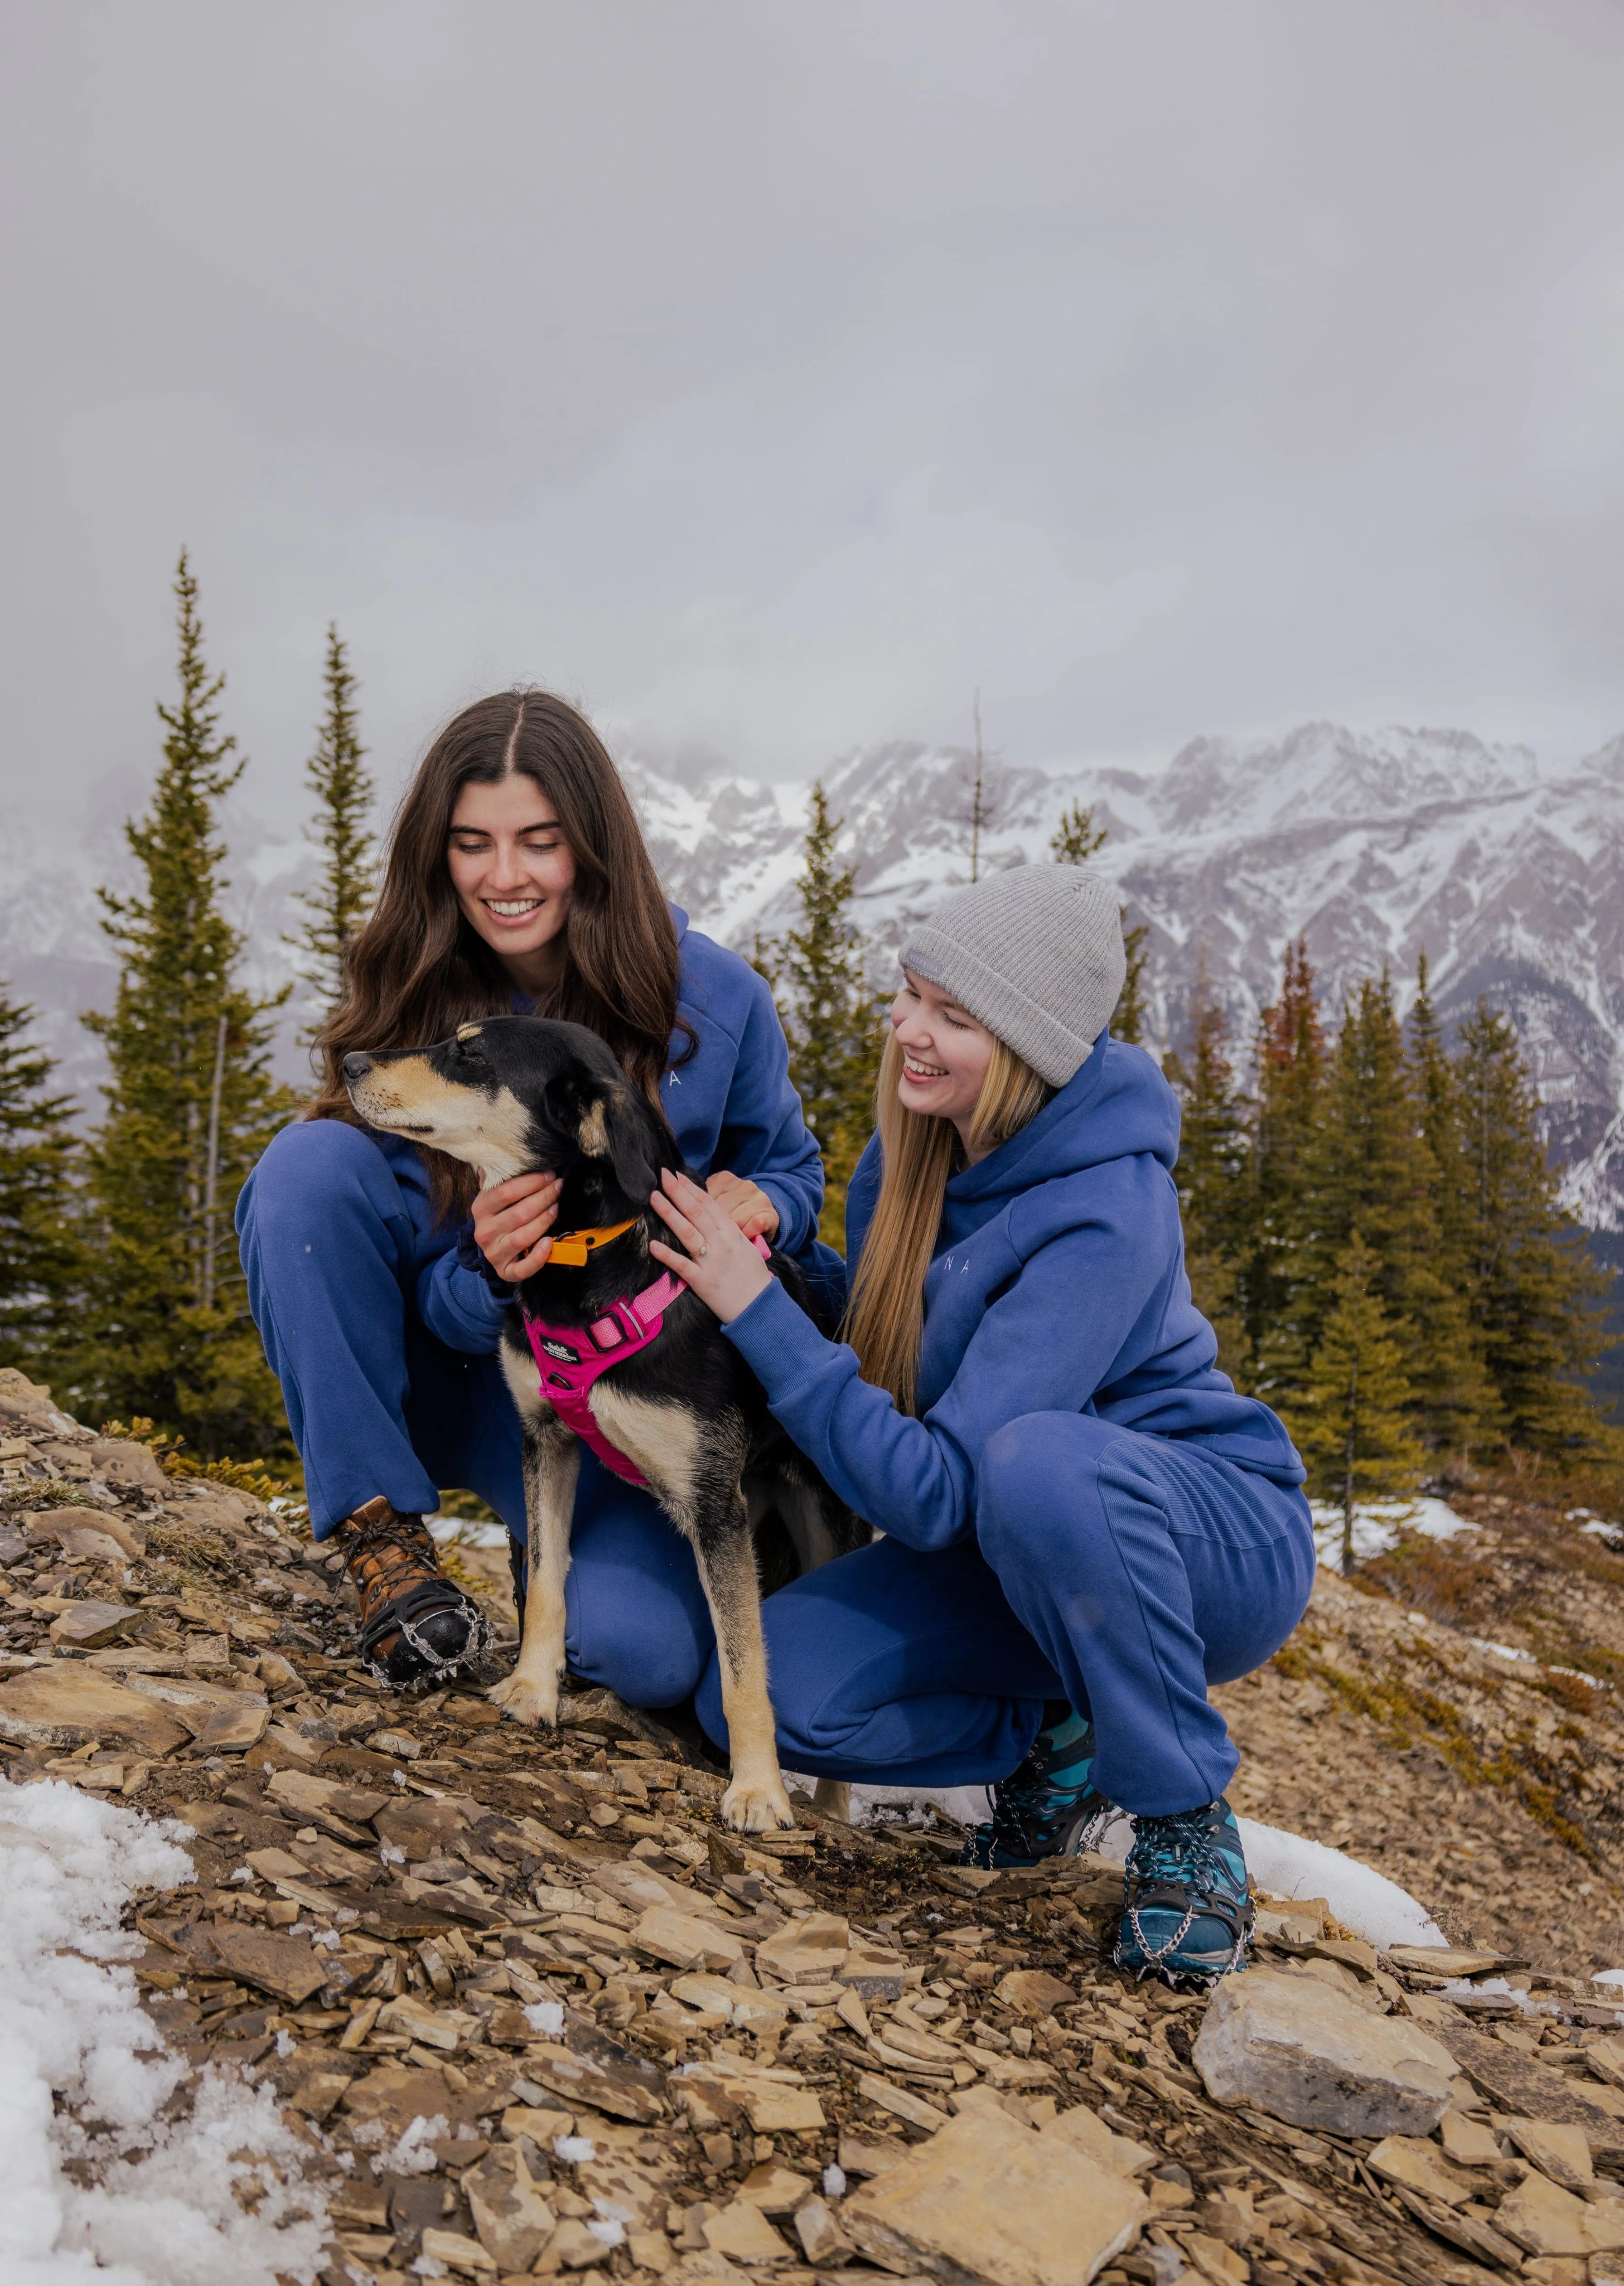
point(514, 1094)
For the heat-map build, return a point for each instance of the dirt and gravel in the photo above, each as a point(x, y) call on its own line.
point(531, 2009)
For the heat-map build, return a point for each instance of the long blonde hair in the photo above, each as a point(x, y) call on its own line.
point(886, 1316)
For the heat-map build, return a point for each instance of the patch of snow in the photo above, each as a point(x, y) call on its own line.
point(575, 2150)
point(461, 1532)
point(1378, 1527)
point(1503, 1651)
point(159, 2208)
point(966, 1805)
point(1461, 1988)
point(1291, 1865)
point(834, 2182)
point(546, 2017)
point(612, 2233)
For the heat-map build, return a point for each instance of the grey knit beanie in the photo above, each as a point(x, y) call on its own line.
point(1035, 954)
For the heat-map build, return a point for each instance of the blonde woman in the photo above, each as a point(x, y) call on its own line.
point(1084, 1525)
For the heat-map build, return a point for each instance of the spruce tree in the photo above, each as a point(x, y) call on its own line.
point(831, 1017)
point(39, 1258)
point(1372, 1172)
point(1074, 842)
point(1212, 1172)
point(1352, 1421)
point(342, 831)
point(1531, 1290)
point(190, 1105)
point(1277, 1217)
point(1077, 838)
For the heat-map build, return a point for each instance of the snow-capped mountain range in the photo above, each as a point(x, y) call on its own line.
point(1509, 872)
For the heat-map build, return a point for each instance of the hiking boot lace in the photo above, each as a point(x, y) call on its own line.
point(1177, 1861)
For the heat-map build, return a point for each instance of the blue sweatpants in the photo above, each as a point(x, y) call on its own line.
point(377, 1404)
point(1121, 1572)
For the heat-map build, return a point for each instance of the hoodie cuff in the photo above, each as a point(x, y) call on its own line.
point(778, 1341)
point(470, 1258)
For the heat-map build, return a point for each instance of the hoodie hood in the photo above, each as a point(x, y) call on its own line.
point(1117, 1106)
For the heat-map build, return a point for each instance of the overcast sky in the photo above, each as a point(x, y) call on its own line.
point(768, 377)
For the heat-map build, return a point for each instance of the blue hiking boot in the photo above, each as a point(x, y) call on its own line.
point(1187, 1910)
point(1048, 1808)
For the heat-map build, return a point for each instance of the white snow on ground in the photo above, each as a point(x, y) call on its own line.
point(163, 2211)
point(1291, 1865)
point(1379, 1524)
point(1282, 1865)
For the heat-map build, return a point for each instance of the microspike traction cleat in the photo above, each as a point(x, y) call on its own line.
point(1186, 1913)
point(417, 1626)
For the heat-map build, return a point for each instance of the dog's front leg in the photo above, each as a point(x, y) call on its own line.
point(756, 1801)
point(552, 1462)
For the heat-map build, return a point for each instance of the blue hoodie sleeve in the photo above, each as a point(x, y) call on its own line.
point(1045, 1344)
point(763, 1136)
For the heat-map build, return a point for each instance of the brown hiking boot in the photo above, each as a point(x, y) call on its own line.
point(417, 1626)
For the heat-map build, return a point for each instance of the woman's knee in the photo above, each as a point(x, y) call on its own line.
point(321, 1163)
point(1038, 1482)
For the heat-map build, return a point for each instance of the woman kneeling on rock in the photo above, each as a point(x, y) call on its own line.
point(516, 881)
point(1084, 1523)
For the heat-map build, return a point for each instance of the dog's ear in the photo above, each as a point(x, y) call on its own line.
point(618, 1126)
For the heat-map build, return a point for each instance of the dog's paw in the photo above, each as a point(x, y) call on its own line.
point(756, 1809)
point(526, 1701)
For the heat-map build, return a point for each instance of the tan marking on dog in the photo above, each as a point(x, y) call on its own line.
point(552, 1464)
point(470, 1031)
point(491, 1133)
point(663, 1439)
point(756, 1801)
point(593, 1134)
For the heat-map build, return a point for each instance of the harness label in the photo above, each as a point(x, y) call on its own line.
point(559, 1350)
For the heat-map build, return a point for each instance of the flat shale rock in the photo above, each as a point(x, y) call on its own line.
point(1296, 2049)
point(290, 1966)
point(1518, 2084)
point(396, 2094)
point(67, 1705)
point(986, 2199)
point(88, 1624)
point(624, 2091)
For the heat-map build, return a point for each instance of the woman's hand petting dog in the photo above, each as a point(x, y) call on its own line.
point(721, 1265)
point(512, 1219)
point(512, 1222)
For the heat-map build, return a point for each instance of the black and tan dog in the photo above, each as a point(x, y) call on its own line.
point(513, 1094)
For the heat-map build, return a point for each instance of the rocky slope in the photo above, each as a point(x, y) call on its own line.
point(529, 2009)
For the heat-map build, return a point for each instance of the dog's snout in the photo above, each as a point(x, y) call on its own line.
point(357, 1067)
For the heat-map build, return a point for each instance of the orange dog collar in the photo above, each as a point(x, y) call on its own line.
point(571, 1248)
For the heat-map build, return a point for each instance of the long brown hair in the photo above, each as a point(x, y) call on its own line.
point(418, 970)
point(886, 1316)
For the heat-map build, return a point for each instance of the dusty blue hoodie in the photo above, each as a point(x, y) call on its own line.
point(1058, 1285)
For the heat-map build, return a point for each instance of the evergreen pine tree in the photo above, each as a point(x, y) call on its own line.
point(342, 831)
point(1277, 1217)
point(1211, 1173)
point(1074, 842)
point(1531, 1290)
point(1371, 1173)
point(1077, 838)
point(1352, 1421)
point(190, 1105)
point(39, 1259)
point(832, 1018)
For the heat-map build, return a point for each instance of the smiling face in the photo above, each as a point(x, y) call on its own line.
point(945, 1052)
point(513, 874)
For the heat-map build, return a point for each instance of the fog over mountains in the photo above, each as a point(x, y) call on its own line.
point(1507, 871)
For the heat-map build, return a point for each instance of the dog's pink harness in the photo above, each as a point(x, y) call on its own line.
point(570, 1358)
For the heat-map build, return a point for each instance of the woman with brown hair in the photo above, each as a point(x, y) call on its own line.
point(516, 880)
point(1084, 1522)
